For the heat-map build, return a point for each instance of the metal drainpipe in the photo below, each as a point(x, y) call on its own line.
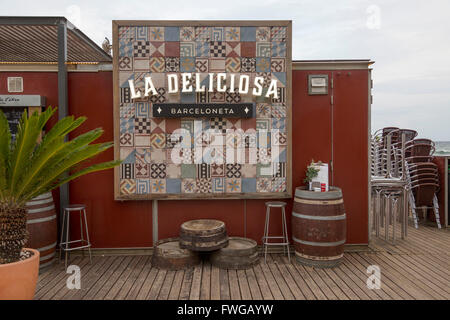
point(63, 109)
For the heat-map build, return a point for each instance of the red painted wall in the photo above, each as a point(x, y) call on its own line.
point(129, 224)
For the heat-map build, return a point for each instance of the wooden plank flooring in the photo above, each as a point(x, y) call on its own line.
point(415, 268)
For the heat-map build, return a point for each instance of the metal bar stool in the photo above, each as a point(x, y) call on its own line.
point(266, 238)
point(85, 243)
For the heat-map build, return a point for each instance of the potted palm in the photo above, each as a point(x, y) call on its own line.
point(29, 168)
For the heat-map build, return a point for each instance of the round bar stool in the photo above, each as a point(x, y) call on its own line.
point(85, 243)
point(266, 238)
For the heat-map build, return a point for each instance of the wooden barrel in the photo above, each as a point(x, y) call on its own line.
point(167, 254)
point(240, 253)
point(203, 235)
point(319, 227)
point(42, 227)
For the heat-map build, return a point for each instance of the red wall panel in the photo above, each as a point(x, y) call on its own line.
point(129, 224)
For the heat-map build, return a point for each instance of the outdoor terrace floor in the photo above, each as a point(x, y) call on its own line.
point(415, 268)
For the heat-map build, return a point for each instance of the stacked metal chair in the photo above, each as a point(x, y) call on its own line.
point(423, 178)
point(402, 176)
point(389, 181)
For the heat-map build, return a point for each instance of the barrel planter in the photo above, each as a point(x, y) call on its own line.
point(319, 227)
point(240, 253)
point(203, 235)
point(167, 254)
point(42, 227)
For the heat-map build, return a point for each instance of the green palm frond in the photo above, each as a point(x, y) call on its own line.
point(29, 168)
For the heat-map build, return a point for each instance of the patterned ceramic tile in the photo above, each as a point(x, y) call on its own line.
point(278, 65)
point(158, 49)
point(142, 125)
point(156, 34)
point(248, 184)
point(203, 185)
point(248, 64)
point(127, 186)
point(262, 64)
point(158, 140)
point(202, 49)
point(232, 64)
point(217, 65)
point(172, 34)
point(173, 170)
point(172, 49)
point(217, 34)
point(263, 184)
point(281, 93)
point(187, 34)
point(172, 64)
point(187, 49)
point(158, 185)
point(141, 33)
point(280, 78)
point(187, 64)
point(188, 185)
point(263, 110)
point(217, 49)
point(232, 33)
point(233, 185)
point(143, 186)
point(157, 64)
point(126, 140)
point(278, 49)
point(248, 34)
point(173, 186)
point(125, 63)
point(141, 49)
point(218, 185)
point(233, 49)
point(248, 49)
point(263, 49)
point(278, 33)
point(127, 170)
point(278, 185)
point(202, 33)
point(233, 170)
point(127, 154)
point(141, 170)
point(263, 34)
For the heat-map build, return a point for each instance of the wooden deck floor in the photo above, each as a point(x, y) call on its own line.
point(415, 268)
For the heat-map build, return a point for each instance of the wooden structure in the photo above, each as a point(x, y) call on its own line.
point(240, 253)
point(319, 227)
point(168, 255)
point(203, 235)
point(413, 269)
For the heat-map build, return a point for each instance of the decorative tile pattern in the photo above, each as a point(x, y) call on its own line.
point(187, 34)
point(233, 49)
point(157, 162)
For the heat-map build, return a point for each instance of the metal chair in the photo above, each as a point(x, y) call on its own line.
point(85, 243)
point(266, 238)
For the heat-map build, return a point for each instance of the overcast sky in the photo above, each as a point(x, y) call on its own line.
point(408, 40)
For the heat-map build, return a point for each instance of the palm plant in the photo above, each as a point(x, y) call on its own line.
point(29, 168)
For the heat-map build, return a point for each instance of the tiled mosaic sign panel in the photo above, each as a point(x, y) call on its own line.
point(146, 144)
